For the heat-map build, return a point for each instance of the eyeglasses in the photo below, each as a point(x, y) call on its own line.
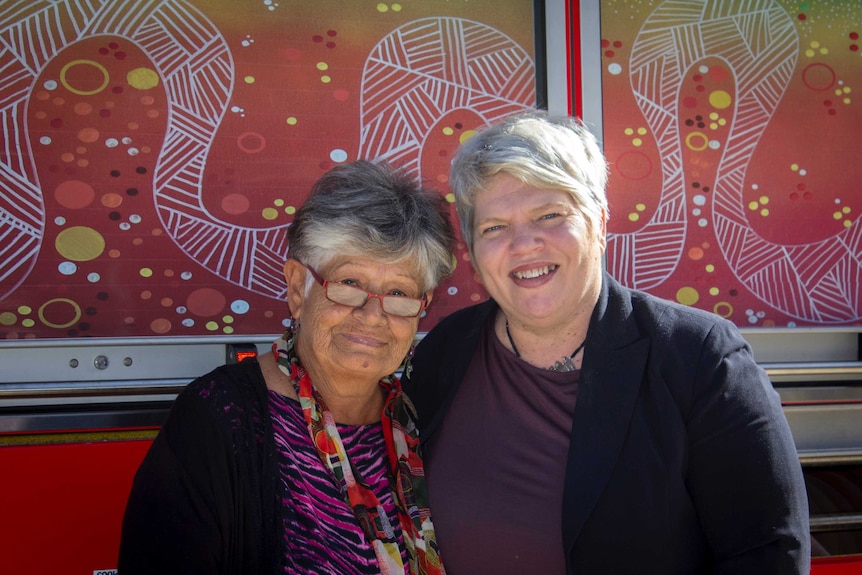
point(355, 296)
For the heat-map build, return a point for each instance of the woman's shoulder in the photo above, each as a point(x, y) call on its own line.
point(237, 386)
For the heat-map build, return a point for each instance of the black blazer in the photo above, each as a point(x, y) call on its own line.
point(680, 460)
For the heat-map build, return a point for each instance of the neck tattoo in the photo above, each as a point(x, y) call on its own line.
point(564, 364)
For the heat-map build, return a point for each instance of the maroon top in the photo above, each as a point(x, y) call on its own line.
point(497, 468)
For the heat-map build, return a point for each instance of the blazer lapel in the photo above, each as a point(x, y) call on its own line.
point(614, 365)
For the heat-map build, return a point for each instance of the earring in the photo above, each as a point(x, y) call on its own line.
point(408, 365)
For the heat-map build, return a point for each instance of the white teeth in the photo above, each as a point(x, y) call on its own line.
point(529, 274)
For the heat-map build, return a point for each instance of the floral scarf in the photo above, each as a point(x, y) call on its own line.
point(406, 474)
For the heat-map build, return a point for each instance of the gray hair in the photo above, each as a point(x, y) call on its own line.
point(555, 153)
point(370, 209)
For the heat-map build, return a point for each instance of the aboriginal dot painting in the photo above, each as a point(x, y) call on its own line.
point(732, 129)
point(154, 151)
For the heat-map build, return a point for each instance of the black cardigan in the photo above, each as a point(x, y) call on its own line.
point(205, 499)
point(680, 459)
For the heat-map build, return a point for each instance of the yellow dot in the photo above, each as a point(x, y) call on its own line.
point(713, 291)
point(709, 268)
point(278, 202)
point(722, 122)
point(809, 53)
point(146, 272)
point(713, 115)
point(687, 296)
point(28, 322)
point(291, 121)
point(719, 99)
point(466, 135)
point(794, 167)
point(847, 223)
point(846, 101)
point(641, 131)
point(80, 244)
point(764, 200)
point(814, 44)
point(211, 326)
point(753, 205)
point(248, 79)
point(846, 209)
point(142, 78)
point(447, 131)
point(450, 198)
point(228, 329)
point(837, 215)
point(628, 132)
point(290, 210)
point(637, 142)
point(713, 126)
point(25, 310)
point(838, 91)
point(269, 213)
point(382, 7)
point(325, 79)
point(633, 217)
point(764, 212)
point(640, 207)
point(396, 7)
point(8, 318)
point(322, 66)
point(846, 89)
point(227, 319)
point(824, 51)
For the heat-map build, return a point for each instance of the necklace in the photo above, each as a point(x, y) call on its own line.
point(564, 364)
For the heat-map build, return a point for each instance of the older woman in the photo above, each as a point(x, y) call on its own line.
point(305, 461)
point(571, 425)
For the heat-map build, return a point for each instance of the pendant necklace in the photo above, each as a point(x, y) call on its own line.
point(564, 364)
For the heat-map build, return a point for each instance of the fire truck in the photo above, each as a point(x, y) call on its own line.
point(154, 153)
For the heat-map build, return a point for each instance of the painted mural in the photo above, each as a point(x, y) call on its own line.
point(732, 128)
point(154, 151)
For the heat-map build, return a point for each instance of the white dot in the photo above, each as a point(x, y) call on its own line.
point(700, 200)
point(182, 309)
point(186, 275)
point(239, 306)
point(135, 218)
point(615, 69)
point(93, 277)
point(45, 140)
point(67, 268)
point(702, 222)
point(714, 144)
point(337, 155)
point(127, 140)
point(111, 142)
point(695, 212)
point(452, 290)
point(703, 69)
point(188, 322)
point(803, 172)
point(125, 226)
point(752, 319)
point(133, 151)
point(60, 221)
point(50, 85)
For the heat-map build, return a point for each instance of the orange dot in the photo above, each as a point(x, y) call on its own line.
point(112, 200)
point(137, 241)
point(133, 125)
point(115, 253)
point(83, 108)
point(147, 100)
point(160, 325)
point(67, 157)
point(235, 204)
point(146, 294)
point(166, 302)
point(152, 113)
point(42, 95)
point(695, 253)
point(88, 135)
